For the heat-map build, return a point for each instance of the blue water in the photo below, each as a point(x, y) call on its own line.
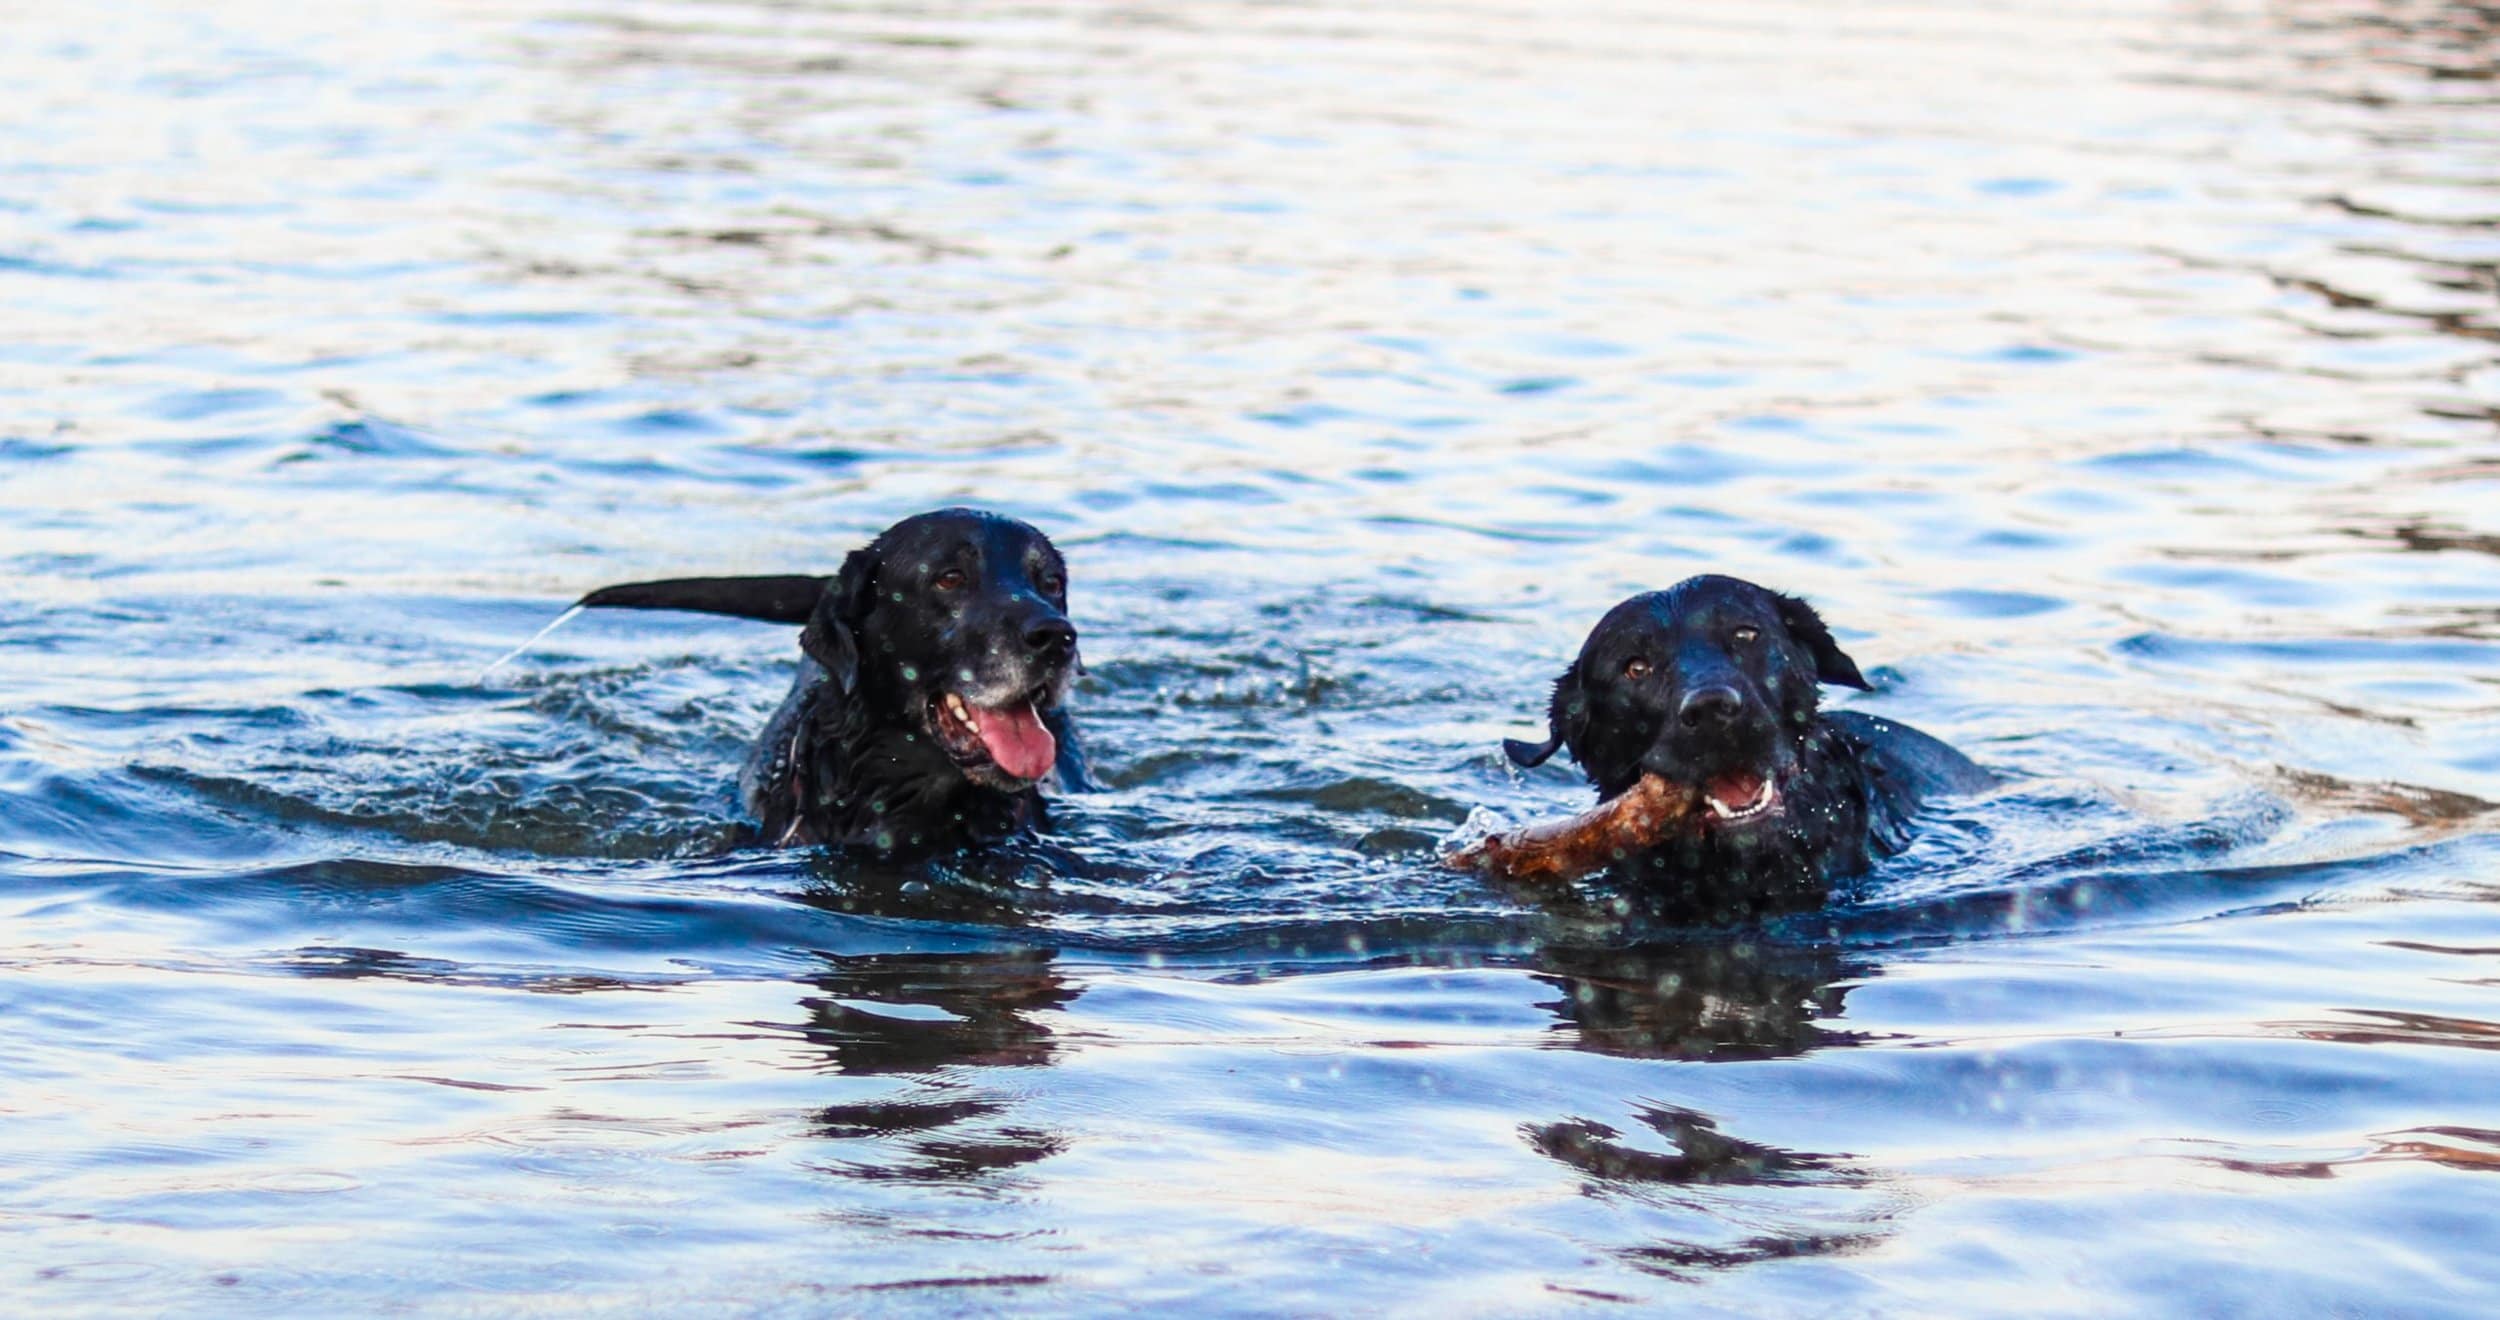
point(2120, 380)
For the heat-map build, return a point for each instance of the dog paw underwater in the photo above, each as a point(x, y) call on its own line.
point(1725, 789)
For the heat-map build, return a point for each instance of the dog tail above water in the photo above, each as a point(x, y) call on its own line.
point(765, 599)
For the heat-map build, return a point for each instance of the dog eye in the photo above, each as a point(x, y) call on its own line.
point(1746, 634)
point(1051, 584)
point(951, 580)
point(1636, 668)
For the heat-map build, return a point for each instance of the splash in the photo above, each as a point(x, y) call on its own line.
point(523, 649)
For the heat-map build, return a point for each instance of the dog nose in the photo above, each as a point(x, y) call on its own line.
point(1710, 705)
point(1048, 636)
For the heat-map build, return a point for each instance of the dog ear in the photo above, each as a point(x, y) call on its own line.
point(831, 635)
point(1565, 717)
point(1831, 664)
point(768, 599)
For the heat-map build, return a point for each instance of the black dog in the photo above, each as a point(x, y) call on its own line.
point(928, 705)
point(1712, 685)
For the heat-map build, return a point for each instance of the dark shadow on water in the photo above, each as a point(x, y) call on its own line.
point(990, 894)
point(922, 1012)
point(1730, 999)
point(937, 1020)
point(1699, 1154)
point(1690, 1261)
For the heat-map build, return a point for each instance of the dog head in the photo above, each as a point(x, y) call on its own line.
point(1710, 684)
point(956, 624)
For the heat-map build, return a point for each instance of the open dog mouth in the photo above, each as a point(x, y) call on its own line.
point(1010, 739)
point(1736, 796)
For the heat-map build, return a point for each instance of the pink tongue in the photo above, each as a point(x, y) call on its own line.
point(1736, 788)
point(1017, 741)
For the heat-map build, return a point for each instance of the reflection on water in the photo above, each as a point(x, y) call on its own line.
point(911, 1013)
point(1731, 999)
point(2120, 381)
point(937, 1018)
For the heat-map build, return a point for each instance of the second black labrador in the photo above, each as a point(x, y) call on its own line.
point(929, 701)
point(1714, 685)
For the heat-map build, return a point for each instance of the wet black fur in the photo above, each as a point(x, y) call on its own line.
point(1848, 783)
point(850, 759)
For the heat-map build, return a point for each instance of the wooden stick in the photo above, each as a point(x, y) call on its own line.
point(1560, 851)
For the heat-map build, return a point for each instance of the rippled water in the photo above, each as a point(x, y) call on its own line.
point(2121, 380)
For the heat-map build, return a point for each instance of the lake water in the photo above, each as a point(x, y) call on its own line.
point(2120, 378)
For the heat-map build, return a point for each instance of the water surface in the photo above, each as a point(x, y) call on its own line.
point(2119, 378)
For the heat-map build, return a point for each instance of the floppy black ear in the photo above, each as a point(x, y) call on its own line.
point(769, 599)
point(1564, 719)
point(831, 636)
point(1831, 664)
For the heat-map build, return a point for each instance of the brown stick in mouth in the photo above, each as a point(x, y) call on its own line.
point(1560, 851)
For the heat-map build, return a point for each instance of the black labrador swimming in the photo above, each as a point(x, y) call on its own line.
point(1712, 685)
point(928, 704)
